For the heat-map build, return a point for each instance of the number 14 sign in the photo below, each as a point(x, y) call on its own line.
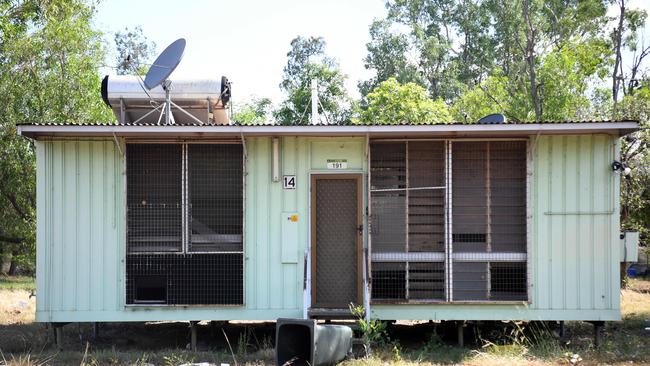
point(289, 182)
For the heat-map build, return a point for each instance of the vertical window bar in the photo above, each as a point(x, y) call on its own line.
point(406, 218)
point(449, 223)
point(488, 217)
point(183, 198)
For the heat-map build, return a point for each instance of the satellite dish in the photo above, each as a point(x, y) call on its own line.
point(165, 64)
point(493, 119)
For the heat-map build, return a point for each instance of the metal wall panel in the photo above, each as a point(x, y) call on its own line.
point(81, 234)
point(79, 228)
point(574, 235)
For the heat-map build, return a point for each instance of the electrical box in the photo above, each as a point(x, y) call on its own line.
point(290, 222)
point(629, 246)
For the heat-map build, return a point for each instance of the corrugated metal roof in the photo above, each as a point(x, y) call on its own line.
point(320, 124)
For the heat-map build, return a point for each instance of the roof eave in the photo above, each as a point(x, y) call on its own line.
point(386, 131)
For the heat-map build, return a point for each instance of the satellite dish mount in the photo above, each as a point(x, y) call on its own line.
point(158, 75)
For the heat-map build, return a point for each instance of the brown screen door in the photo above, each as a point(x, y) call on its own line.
point(336, 240)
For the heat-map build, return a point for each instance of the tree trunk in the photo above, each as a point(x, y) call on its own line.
point(530, 59)
point(618, 43)
point(13, 267)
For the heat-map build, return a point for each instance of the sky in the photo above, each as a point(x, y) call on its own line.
point(248, 41)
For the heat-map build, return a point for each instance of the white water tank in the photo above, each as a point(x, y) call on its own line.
point(205, 99)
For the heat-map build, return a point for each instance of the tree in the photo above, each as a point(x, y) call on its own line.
point(134, 51)
point(253, 112)
point(565, 73)
point(456, 45)
point(48, 73)
point(387, 55)
point(488, 97)
point(307, 61)
point(393, 103)
point(625, 36)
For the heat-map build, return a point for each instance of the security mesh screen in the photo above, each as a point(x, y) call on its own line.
point(388, 281)
point(184, 199)
point(336, 242)
point(489, 220)
point(426, 196)
point(407, 221)
point(508, 196)
point(426, 280)
point(482, 243)
point(183, 279)
point(154, 197)
point(470, 196)
point(508, 281)
point(215, 196)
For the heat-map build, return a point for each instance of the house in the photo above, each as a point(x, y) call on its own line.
point(187, 222)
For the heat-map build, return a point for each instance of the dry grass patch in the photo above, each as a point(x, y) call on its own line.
point(23, 342)
point(635, 304)
point(16, 307)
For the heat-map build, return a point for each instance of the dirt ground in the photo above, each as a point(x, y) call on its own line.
point(23, 342)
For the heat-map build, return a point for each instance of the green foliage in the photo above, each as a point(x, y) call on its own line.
point(507, 55)
point(490, 96)
point(49, 56)
point(387, 54)
point(134, 51)
point(254, 112)
point(307, 61)
point(373, 331)
point(565, 75)
point(394, 103)
point(635, 152)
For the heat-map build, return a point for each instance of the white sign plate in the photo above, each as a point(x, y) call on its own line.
point(337, 163)
point(289, 182)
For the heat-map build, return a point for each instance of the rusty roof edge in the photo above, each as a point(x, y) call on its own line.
point(36, 130)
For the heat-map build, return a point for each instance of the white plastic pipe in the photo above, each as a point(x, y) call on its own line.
point(314, 101)
point(276, 159)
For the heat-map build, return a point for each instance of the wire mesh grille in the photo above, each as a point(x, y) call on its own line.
point(508, 281)
point(336, 246)
point(180, 279)
point(388, 281)
point(426, 197)
point(489, 220)
point(174, 190)
point(154, 198)
point(216, 199)
point(487, 252)
point(408, 201)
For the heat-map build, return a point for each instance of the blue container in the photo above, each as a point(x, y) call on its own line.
point(631, 272)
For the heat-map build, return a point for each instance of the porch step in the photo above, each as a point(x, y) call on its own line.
point(329, 313)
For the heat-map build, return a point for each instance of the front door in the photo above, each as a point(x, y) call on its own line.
point(336, 227)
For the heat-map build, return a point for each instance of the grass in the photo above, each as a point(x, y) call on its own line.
point(23, 342)
point(17, 283)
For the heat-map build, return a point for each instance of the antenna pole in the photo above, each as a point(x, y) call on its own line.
point(314, 101)
point(168, 105)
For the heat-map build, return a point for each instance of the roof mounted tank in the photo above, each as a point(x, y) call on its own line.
point(147, 101)
point(204, 99)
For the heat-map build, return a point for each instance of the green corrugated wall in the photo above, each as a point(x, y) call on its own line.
point(80, 233)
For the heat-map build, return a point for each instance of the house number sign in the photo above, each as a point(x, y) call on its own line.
point(289, 182)
point(337, 163)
